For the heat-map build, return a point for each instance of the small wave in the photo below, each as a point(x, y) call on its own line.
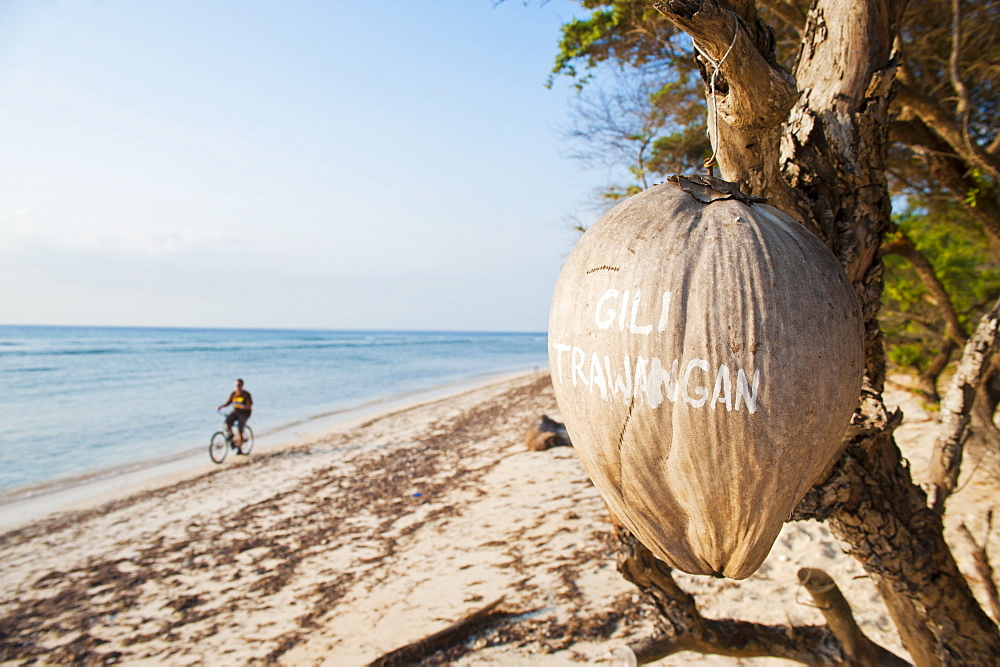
point(36, 369)
point(66, 352)
point(318, 345)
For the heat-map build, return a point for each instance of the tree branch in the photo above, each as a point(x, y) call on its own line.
point(789, 13)
point(904, 247)
point(871, 505)
point(994, 147)
point(946, 460)
point(961, 91)
point(756, 93)
point(929, 378)
point(949, 129)
point(753, 94)
point(845, 69)
point(840, 619)
point(952, 173)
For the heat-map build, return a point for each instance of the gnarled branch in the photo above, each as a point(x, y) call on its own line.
point(946, 460)
point(753, 94)
point(757, 93)
point(871, 505)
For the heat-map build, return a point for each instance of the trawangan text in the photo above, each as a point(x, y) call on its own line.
point(693, 382)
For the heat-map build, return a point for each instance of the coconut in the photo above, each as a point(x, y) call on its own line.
point(706, 354)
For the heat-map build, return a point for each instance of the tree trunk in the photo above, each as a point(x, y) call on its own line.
point(831, 152)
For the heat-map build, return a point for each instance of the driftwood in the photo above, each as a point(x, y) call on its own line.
point(418, 650)
point(946, 461)
point(546, 434)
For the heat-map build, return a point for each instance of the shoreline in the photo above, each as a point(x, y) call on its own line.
point(22, 506)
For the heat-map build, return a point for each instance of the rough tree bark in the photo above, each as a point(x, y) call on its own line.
point(814, 142)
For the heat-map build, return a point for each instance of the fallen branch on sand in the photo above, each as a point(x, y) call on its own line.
point(418, 650)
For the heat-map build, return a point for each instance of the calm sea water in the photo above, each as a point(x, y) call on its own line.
point(74, 400)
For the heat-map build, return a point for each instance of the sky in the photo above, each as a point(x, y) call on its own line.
point(266, 164)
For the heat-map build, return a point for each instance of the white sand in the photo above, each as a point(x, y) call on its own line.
point(377, 533)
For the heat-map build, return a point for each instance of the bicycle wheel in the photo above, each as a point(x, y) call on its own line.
point(247, 439)
point(218, 447)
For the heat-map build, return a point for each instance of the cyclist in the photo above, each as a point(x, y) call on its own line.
point(242, 404)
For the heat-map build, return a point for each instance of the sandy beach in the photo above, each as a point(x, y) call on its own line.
point(345, 545)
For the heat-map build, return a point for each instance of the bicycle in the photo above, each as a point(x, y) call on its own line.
point(224, 440)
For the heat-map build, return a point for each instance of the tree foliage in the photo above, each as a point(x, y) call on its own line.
point(949, 104)
point(956, 248)
point(638, 122)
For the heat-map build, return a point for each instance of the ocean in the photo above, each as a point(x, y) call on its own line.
point(76, 400)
